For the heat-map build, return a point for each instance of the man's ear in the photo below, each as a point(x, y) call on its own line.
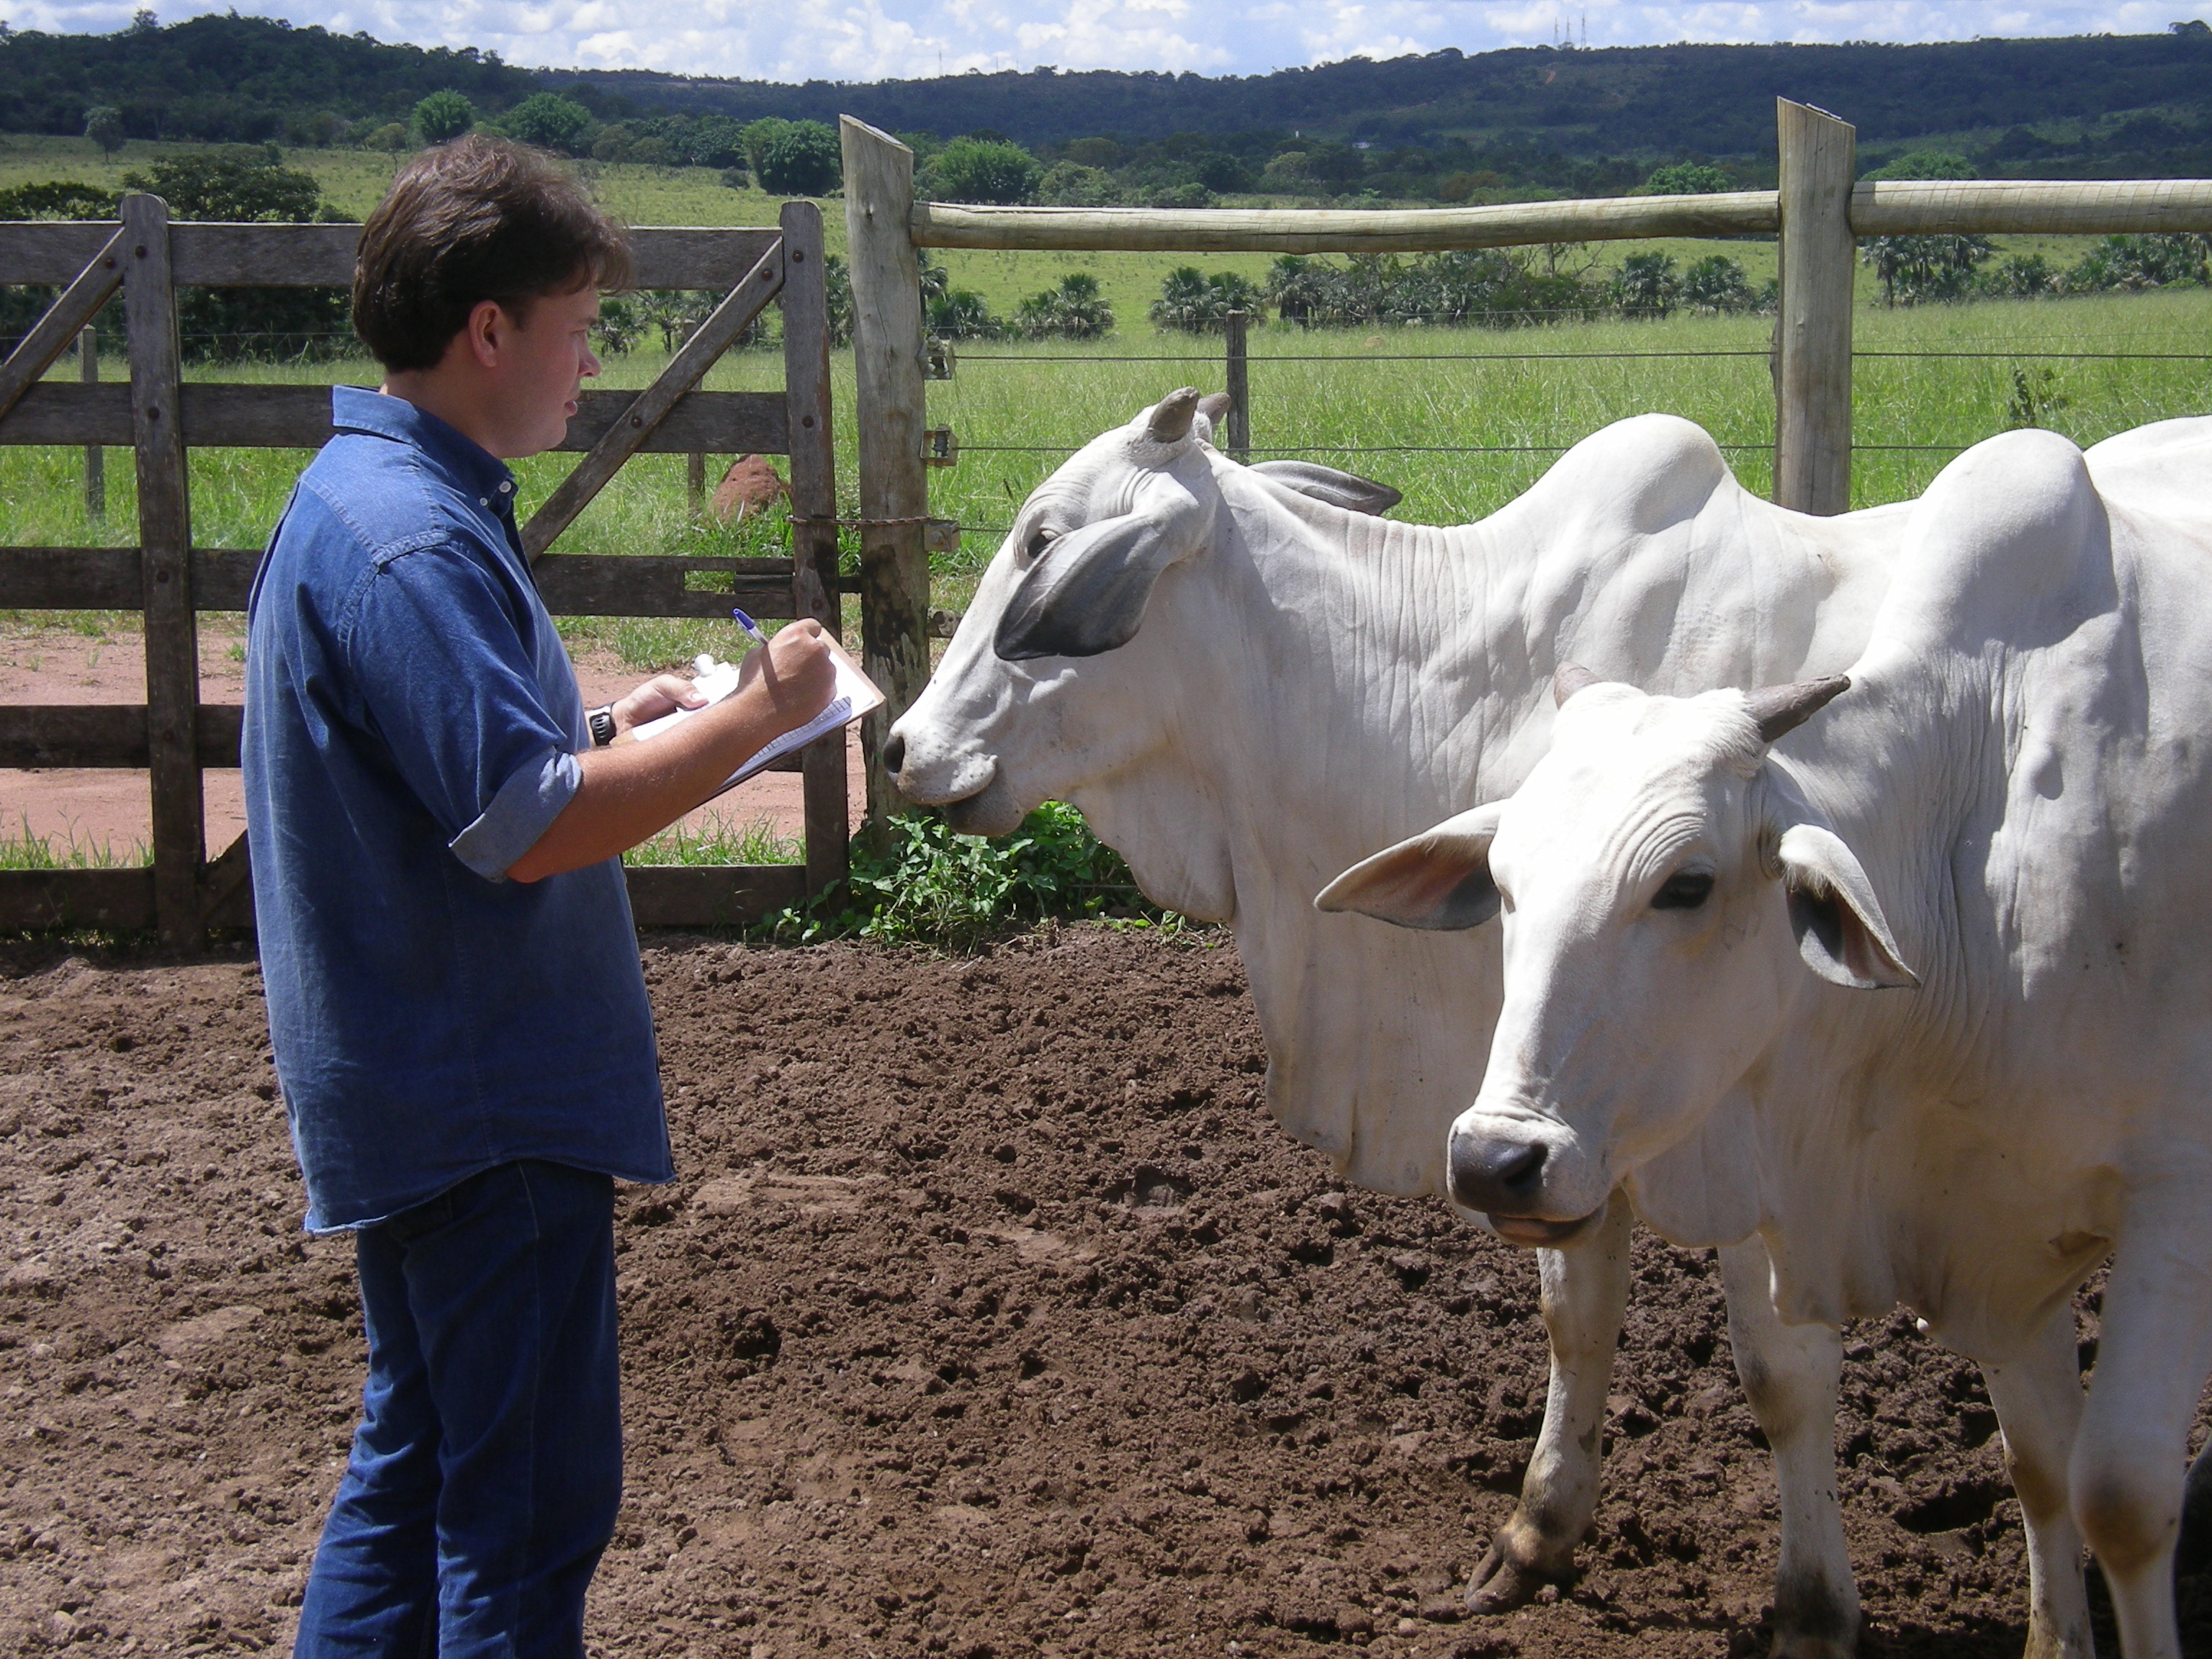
point(1438, 879)
point(1841, 930)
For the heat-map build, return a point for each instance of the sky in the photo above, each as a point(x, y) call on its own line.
point(877, 39)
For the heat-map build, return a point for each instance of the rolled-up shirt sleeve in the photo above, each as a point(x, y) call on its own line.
point(445, 677)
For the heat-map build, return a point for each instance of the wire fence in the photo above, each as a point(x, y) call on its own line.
point(1221, 352)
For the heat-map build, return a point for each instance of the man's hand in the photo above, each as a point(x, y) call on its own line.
point(795, 671)
point(664, 693)
point(629, 793)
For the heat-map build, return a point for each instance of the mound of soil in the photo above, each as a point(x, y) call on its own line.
point(992, 1317)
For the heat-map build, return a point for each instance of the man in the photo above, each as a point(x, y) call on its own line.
point(455, 999)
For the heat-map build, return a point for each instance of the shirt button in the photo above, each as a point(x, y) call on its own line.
point(483, 501)
point(504, 487)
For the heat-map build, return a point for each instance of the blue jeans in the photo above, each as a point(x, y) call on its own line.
point(486, 1470)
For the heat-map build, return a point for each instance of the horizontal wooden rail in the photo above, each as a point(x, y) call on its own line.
point(84, 734)
point(1354, 230)
point(2022, 207)
point(321, 255)
point(1986, 206)
point(299, 417)
point(573, 584)
point(660, 895)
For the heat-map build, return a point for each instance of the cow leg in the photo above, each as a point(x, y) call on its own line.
point(2128, 1467)
point(2039, 1401)
point(1585, 1291)
point(1790, 1373)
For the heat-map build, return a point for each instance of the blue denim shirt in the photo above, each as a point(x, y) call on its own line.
point(412, 723)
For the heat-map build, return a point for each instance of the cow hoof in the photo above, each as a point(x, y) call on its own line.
point(1502, 1584)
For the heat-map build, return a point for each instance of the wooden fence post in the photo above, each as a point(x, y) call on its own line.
point(1812, 314)
point(891, 402)
point(814, 500)
point(695, 483)
point(95, 458)
point(1239, 389)
point(165, 539)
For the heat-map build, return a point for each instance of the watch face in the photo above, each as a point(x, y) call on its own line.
point(602, 726)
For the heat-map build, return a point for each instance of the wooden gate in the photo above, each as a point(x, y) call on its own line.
point(160, 417)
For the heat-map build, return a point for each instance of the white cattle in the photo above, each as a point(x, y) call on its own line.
point(1309, 682)
point(2007, 822)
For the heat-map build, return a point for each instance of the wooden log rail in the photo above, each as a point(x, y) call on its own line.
point(174, 737)
point(1901, 208)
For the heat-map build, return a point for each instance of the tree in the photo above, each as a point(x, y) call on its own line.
point(1076, 310)
point(794, 158)
point(1716, 283)
point(1071, 184)
point(1646, 285)
point(103, 124)
point(984, 170)
point(228, 325)
point(1915, 269)
point(444, 115)
point(1687, 179)
point(1198, 303)
point(960, 313)
point(551, 122)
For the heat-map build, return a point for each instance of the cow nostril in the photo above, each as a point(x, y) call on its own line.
point(1520, 1174)
point(894, 755)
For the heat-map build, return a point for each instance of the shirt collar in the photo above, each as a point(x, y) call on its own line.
point(357, 409)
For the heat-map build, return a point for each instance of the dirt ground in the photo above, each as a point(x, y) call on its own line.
point(110, 807)
point(991, 1317)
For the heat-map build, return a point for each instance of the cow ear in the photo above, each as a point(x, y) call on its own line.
point(1841, 930)
point(1439, 879)
point(1086, 594)
point(1325, 483)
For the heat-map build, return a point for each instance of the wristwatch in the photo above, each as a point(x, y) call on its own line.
point(602, 722)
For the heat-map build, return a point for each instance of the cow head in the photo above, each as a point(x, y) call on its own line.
point(1650, 874)
point(1062, 672)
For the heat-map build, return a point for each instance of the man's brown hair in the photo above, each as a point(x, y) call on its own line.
point(475, 220)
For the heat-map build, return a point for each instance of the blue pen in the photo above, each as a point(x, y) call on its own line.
point(749, 626)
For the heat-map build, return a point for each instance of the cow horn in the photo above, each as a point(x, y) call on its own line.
point(1214, 406)
point(1572, 678)
point(1780, 708)
point(1170, 421)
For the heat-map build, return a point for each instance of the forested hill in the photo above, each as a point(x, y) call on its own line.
point(1718, 101)
point(254, 79)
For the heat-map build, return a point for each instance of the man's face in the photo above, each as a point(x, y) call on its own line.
point(543, 360)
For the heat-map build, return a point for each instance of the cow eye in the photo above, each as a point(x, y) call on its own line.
point(1040, 538)
point(1683, 892)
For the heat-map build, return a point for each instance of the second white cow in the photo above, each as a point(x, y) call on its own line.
point(2003, 826)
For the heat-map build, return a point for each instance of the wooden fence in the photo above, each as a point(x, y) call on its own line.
point(1818, 213)
point(160, 417)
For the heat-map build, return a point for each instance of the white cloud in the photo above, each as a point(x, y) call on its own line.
point(872, 39)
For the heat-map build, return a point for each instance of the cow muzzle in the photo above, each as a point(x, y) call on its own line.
point(1503, 1170)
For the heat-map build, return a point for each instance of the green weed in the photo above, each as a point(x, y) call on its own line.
point(933, 886)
